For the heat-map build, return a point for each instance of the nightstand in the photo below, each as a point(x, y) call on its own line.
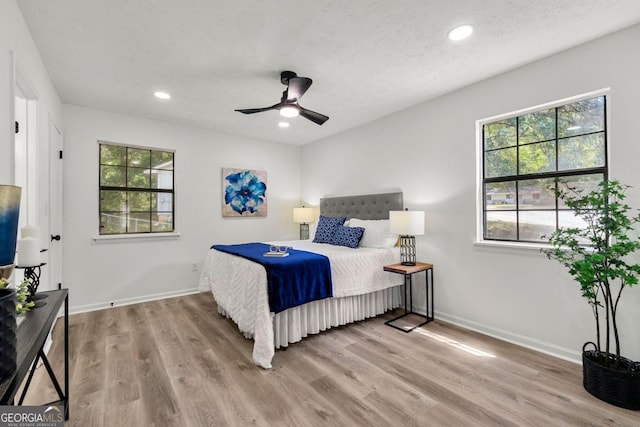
point(408, 271)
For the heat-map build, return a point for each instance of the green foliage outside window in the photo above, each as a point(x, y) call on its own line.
point(136, 190)
point(524, 159)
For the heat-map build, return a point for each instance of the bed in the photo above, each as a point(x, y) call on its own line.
point(361, 289)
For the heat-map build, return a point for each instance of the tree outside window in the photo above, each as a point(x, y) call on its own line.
point(136, 190)
point(524, 159)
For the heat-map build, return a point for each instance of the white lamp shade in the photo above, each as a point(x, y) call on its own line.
point(406, 223)
point(304, 215)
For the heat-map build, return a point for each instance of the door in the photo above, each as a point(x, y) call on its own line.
point(55, 205)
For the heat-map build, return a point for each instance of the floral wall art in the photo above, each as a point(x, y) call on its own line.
point(244, 192)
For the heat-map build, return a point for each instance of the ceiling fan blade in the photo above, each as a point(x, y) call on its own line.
point(258, 110)
point(316, 118)
point(297, 87)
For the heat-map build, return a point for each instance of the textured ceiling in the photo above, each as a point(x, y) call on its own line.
point(367, 58)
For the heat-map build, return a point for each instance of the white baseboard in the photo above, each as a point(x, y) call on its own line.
point(521, 340)
point(129, 301)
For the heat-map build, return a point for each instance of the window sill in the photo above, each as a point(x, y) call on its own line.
point(115, 238)
point(512, 245)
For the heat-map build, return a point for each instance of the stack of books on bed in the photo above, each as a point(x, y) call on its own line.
point(276, 254)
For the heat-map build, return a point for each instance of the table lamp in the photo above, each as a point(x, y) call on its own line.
point(304, 216)
point(407, 224)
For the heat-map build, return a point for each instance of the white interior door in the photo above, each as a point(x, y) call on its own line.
point(55, 205)
point(28, 170)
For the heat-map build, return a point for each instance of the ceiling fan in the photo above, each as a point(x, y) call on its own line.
point(288, 105)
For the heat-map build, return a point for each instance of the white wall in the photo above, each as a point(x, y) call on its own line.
point(16, 46)
point(430, 152)
point(98, 273)
point(18, 52)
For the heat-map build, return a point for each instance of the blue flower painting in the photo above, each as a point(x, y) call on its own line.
point(245, 192)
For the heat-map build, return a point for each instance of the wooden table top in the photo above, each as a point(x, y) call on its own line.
point(408, 269)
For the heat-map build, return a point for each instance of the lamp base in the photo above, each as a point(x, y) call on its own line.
point(304, 231)
point(407, 250)
point(408, 263)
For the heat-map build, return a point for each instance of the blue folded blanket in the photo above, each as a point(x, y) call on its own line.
point(294, 280)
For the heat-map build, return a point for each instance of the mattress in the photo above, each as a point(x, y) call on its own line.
point(361, 289)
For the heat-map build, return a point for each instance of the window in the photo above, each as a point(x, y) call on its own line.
point(524, 159)
point(136, 190)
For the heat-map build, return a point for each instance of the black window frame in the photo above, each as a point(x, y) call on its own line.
point(131, 189)
point(557, 175)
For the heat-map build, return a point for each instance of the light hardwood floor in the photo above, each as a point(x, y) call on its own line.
point(176, 362)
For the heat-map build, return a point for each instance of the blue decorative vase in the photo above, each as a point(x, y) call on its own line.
point(9, 212)
point(8, 352)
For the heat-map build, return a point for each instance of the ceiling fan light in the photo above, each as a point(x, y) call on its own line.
point(289, 111)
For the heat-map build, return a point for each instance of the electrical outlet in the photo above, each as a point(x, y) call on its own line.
point(194, 266)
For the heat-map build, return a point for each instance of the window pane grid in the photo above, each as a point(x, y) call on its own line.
point(536, 142)
point(521, 169)
point(599, 132)
point(136, 190)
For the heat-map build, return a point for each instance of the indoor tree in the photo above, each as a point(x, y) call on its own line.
point(599, 254)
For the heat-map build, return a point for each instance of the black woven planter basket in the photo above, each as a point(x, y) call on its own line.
point(7, 333)
point(618, 386)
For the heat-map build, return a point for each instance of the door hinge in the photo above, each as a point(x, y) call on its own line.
point(17, 127)
point(60, 154)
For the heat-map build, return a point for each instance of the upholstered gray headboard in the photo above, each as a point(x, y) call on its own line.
point(368, 206)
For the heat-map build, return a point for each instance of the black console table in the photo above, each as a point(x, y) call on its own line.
point(31, 337)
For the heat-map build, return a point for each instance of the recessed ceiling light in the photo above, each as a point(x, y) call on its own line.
point(460, 32)
point(162, 95)
point(283, 124)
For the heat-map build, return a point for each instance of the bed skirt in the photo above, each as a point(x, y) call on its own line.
point(293, 324)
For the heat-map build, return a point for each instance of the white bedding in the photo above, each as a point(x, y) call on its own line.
point(239, 286)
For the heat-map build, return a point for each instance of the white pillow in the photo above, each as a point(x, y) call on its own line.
point(376, 233)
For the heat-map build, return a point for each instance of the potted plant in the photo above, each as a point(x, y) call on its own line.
point(599, 257)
